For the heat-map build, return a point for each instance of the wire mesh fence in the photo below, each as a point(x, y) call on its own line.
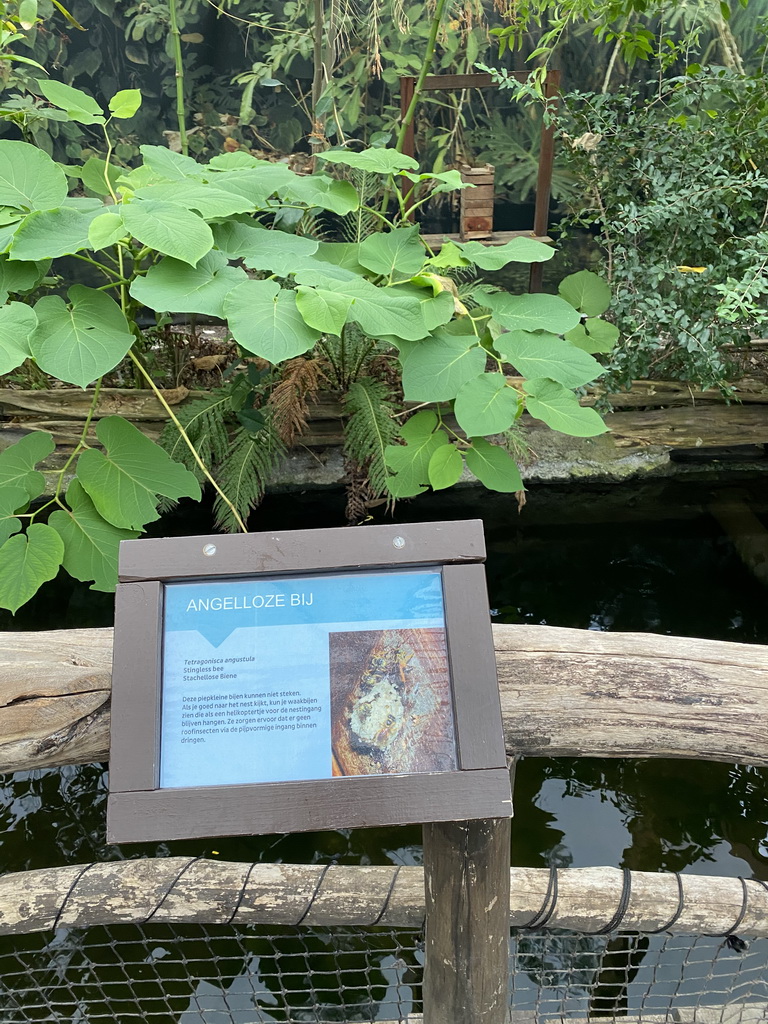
point(219, 974)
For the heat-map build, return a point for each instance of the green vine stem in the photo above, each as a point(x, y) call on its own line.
point(181, 113)
point(426, 66)
point(185, 437)
point(82, 443)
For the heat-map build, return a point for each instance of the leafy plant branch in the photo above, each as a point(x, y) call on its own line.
point(362, 314)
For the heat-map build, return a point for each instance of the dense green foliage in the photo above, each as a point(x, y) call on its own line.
point(323, 278)
point(178, 236)
point(251, 81)
point(679, 190)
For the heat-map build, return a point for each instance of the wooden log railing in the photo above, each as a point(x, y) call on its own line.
point(183, 890)
point(651, 413)
point(564, 692)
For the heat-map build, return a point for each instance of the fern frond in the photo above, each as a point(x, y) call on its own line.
point(312, 226)
point(370, 428)
point(299, 384)
point(244, 473)
point(516, 443)
point(361, 223)
point(204, 421)
point(345, 358)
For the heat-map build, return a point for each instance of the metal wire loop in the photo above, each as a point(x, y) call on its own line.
point(542, 918)
point(676, 916)
point(626, 893)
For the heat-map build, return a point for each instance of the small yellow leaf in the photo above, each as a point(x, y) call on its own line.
point(692, 270)
point(192, 37)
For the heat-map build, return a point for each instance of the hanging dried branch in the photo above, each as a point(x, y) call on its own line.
point(289, 401)
point(374, 39)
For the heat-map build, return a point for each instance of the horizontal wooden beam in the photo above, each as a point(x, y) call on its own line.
point(564, 693)
point(184, 890)
point(142, 405)
point(664, 413)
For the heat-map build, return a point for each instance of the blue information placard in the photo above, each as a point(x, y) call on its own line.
point(297, 678)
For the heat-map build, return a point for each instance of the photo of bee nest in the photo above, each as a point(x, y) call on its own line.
point(391, 709)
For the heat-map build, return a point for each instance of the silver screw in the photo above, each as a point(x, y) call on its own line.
point(398, 542)
point(209, 549)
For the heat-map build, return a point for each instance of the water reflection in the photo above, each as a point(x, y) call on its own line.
point(656, 815)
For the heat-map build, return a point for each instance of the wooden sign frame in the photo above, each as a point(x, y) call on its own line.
point(140, 811)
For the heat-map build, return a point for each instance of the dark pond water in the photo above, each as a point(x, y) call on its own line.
point(564, 561)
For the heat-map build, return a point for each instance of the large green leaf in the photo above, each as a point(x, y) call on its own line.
point(264, 319)
point(262, 249)
point(493, 466)
point(90, 543)
point(318, 190)
point(105, 230)
point(279, 252)
point(233, 161)
point(17, 321)
point(449, 256)
point(29, 179)
point(168, 228)
point(437, 310)
point(494, 257)
point(335, 261)
point(27, 14)
point(78, 104)
point(93, 175)
point(207, 200)
point(46, 234)
point(8, 228)
point(486, 405)
point(312, 271)
point(434, 369)
point(538, 312)
point(559, 408)
point(169, 165)
point(374, 161)
point(123, 484)
point(83, 204)
point(174, 287)
point(12, 500)
point(446, 181)
point(410, 462)
point(445, 467)
point(18, 461)
point(400, 250)
point(594, 335)
point(587, 292)
point(124, 104)
point(383, 311)
point(26, 562)
point(139, 177)
point(83, 340)
point(254, 184)
point(342, 254)
point(18, 277)
point(546, 355)
point(323, 310)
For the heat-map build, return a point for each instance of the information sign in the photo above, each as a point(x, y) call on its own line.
point(312, 687)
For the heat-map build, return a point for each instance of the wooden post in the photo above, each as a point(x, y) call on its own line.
point(544, 180)
point(466, 879)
